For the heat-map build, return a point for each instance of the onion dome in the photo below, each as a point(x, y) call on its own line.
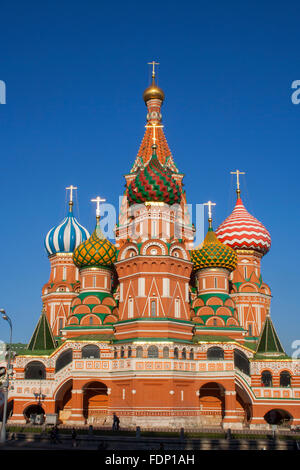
point(66, 236)
point(213, 254)
point(154, 183)
point(153, 92)
point(242, 231)
point(96, 251)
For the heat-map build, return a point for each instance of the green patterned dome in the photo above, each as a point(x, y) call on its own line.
point(154, 183)
point(95, 251)
point(213, 254)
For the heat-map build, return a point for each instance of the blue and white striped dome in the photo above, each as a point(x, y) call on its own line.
point(66, 236)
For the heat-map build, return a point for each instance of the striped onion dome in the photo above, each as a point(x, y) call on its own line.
point(242, 231)
point(154, 183)
point(66, 236)
point(213, 254)
point(96, 251)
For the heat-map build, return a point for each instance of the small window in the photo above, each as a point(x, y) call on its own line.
point(266, 379)
point(122, 351)
point(176, 353)
point(216, 282)
point(192, 354)
point(183, 354)
point(139, 351)
point(215, 354)
point(91, 321)
point(285, 379)
point(90, 351)
point(129, 351)
point(166, 352)
point(152, 352)
point(115, 353)
point(35, 370)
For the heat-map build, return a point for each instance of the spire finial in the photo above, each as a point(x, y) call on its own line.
point(209, 204)
point(98, 200)
point(153, 63)
point(238, 173)
point(71, 189)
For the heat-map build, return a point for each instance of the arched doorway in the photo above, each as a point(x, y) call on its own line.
point(34, 413)
point(95, 403)
point(63, 401)
point(243, 405)
point(279, 417)
point(212, 403)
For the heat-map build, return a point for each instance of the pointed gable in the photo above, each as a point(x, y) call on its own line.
point(42, 338)
point(269, 344)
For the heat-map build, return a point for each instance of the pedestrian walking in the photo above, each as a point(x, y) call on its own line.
point(116, 423)
point(73, 436)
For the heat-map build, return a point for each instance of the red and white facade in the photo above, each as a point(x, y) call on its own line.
point(132, 339)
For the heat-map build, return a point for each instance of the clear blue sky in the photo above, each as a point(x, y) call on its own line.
point(75, 73)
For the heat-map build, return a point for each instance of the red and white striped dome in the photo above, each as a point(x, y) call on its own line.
point(243, 231)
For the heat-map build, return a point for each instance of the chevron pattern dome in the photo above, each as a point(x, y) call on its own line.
point(213, 254)
point(154, 183)
point(243, 231)
point(66, 236)
point(96, 251)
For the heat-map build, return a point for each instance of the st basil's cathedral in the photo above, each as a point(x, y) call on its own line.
point(152, 328)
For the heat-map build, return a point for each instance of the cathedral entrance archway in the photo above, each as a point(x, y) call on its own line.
point(212, 403)
point(34, 413)
point(63, 401)
point(279, 417)
point(243, 405)
point(95, 403)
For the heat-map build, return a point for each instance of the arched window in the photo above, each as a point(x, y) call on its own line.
point(176, 353)
point(153, 308)
point(115, 353)
point(122, 351)
point(91, 320)
point(139, 351)
point(166, 352)
point(90, 351)
point(183, 354)
point(35, 370)
point(64, 359)
point(241, 361)
point(215, 354)
point(266, 379)
point(192, 354)
point(129, 351)
point(285, 379)
point(153, 351)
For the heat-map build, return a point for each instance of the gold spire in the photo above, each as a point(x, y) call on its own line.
point(153, 91)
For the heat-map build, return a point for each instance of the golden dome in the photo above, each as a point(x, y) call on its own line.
point(153, 92)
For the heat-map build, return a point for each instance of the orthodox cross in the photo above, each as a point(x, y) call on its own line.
point(237, 173)
point(154, 125)
point(209, 204)
point(98, 200)
point(71, 188)
point(153, 63)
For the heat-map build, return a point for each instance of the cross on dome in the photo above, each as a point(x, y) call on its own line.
point(153, 63)
point(238, 173)
point(71, 188)
point(209, 204)
point(98, 200)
